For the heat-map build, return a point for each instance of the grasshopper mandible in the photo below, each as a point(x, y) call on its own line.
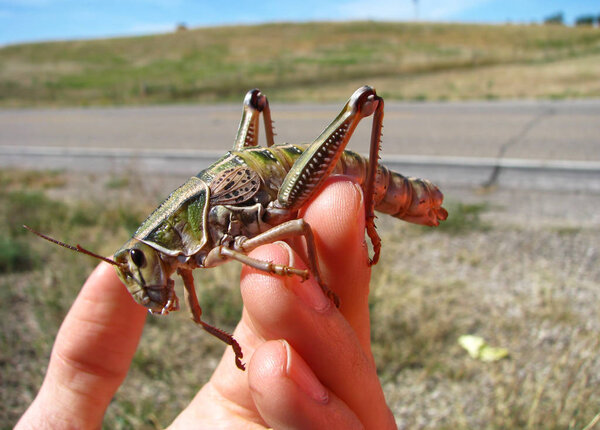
point(251, 196)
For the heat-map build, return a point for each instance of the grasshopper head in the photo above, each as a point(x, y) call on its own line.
point(146, 276)
point(140, 267)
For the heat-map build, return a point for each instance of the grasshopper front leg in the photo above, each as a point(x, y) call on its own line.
point(196, 311)
point(308, 173)
point(255, 103)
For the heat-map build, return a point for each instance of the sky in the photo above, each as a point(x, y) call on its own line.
point(40, 20)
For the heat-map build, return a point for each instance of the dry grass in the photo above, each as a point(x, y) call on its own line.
point(533, 291)
point(562, 79)
point(312, 61)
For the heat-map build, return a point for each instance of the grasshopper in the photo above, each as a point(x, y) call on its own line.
point(252, 196)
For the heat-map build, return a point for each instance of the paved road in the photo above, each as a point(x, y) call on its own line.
point(460, 142)
point(567, 130)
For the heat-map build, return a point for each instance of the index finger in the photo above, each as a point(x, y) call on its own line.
point(336, 217)
point(338, 222)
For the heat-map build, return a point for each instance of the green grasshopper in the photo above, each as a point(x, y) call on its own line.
point(251, 196)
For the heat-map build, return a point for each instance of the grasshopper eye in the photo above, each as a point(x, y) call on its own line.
point(138, 257)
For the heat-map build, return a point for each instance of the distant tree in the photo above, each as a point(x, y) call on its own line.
point(585, 20)
point(557, 18)
point(181, 27)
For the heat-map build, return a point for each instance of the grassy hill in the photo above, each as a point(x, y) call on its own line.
point(310, 61)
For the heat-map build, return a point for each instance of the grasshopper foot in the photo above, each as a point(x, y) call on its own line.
point(237, 350)
point(283, 270)
point(375, 240)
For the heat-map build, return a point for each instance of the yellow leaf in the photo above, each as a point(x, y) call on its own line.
point(478, 348)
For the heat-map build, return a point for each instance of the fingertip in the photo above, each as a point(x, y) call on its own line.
point(276, 360)
point(337, 218)
point(272, 252)
point(259, 287)
point(337, 213)
point(103, 287)
point(268, 363)
point(302, 375)
point(104, 317)
point(288, 394)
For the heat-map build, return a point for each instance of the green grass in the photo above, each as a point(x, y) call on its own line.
point(117, 182)
point(464, 218)
point(24, 207)
point(15, 256)
point(516, 288)
point(310, 61)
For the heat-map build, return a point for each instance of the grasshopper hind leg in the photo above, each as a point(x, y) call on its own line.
point(316, 163)
point(370, 196)
point(255, 103)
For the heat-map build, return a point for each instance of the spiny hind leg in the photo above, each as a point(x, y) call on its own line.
point(308, 173)
point(255, 103)
point(316, 163)
point(370, 196)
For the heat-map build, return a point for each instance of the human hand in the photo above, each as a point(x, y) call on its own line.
point(309, 364)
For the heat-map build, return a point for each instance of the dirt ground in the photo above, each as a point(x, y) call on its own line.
point(523, 274)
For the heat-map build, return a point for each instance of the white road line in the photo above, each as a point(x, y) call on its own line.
point(533, 174)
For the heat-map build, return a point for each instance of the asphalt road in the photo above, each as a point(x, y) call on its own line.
point(566, 130)
point(459, 143)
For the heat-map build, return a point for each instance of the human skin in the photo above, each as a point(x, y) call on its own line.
point(309, 364)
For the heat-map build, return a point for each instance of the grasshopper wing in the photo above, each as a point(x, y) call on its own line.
point(235, 185)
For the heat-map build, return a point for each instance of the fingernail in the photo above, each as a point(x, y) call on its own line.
point(309, 292)
point(302, 375)
point(360, 193)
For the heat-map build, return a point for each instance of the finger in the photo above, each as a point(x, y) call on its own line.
point(288, 394)
point(210, 410)
point(228, 384)
point(227, 379)
point(299, 312)
point(226, 397)
point(346, 272)
point(91, 355)
point(337, 218)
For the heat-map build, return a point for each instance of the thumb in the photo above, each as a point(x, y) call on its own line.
point(91, 355)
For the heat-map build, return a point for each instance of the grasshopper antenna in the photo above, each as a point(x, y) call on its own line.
point(76, 248)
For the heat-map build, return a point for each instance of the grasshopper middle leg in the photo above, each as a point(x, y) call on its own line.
point(287, 230)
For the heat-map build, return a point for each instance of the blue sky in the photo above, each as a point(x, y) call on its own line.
point(36, 20)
